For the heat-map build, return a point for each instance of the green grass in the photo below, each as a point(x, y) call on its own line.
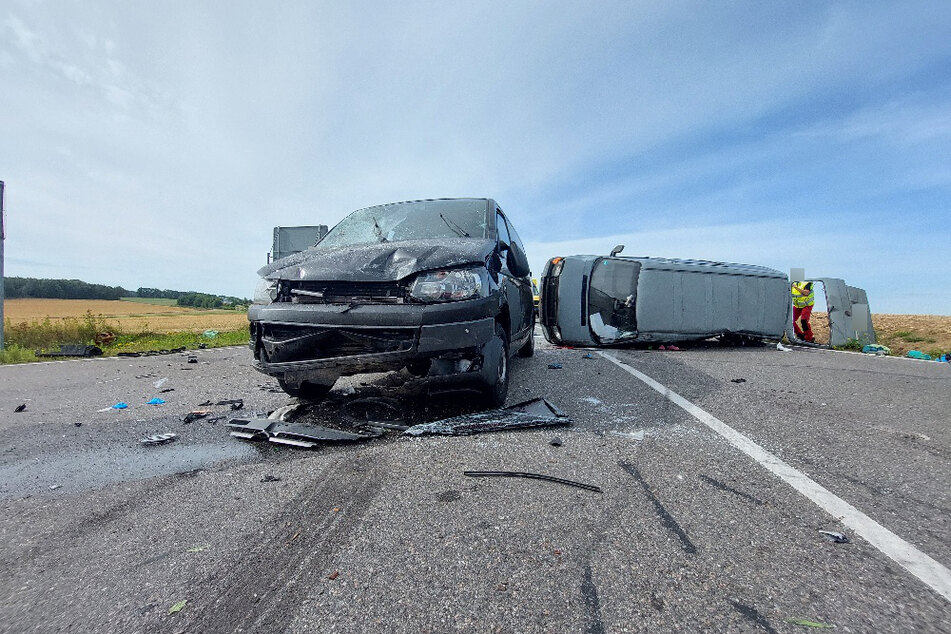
point(154, 301)
point(22, 340)
point(912, 337)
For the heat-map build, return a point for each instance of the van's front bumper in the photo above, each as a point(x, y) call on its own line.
point(366, 337)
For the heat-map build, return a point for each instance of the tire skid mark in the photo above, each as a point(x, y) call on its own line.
point(665, 517)
point(724, 487)
point(752, 614)
point(592, 604)
point(264, 592)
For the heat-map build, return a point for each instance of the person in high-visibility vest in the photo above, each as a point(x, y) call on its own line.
point(803, 299)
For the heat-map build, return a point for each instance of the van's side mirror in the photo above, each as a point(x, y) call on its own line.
point(517, 261)
point(617, 250)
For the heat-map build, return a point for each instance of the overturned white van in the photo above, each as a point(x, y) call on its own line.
point(597, 300)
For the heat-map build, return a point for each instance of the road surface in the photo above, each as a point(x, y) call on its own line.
point(718, 467)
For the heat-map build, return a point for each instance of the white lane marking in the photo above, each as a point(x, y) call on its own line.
point(913, 560)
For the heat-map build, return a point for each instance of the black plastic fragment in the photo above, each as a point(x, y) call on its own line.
point(533, 476)
point(20, 408)
point(536, 412)
point(73, 350)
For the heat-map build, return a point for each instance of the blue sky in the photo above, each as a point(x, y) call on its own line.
point(157, 144)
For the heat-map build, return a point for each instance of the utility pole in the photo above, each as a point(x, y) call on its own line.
point(2, 237)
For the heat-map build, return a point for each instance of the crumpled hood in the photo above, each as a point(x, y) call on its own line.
point(389, 261)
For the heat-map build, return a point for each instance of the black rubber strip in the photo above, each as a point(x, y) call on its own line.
point(534, 476)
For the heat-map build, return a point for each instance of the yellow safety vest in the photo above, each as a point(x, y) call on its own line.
point(803, 294)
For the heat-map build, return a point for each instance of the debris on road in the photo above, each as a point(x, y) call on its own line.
point(167, 390)
point(587, 355)
point(632, 435)
point(534, 413)
point(333, 575)
point(73, 350)
point(876, 349)
point(296, 434)
point(809, 623)
point(158, 439)
point(192, 359)
point(20, 408)
point(53, 487)
point(198, 549)
point(835, 536)
point(533, 476)
point(555, 366)
point(376, 410)
point(782, 348)
point(120, 405)
point(555, 442)
point(155, 401)
point(738, 380)
point(177, 607)
point(160, 382)
point(270, 478)
point(150, 353)
point(195, 415)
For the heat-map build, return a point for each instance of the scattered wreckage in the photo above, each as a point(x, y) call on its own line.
point(440, 287)
point(532, 413)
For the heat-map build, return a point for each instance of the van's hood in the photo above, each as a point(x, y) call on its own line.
point(388, 261)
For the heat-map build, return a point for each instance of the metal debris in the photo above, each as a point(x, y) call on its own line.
point(376, 410)
point(835, 536)
point(297, 434)
point(159, 439)
point(555, 366)
point(73, 350)
point(533, 476)
point(537, 412)
point(195, 415)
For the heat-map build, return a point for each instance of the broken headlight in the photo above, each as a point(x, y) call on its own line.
point(450, 286)
point(266, 291)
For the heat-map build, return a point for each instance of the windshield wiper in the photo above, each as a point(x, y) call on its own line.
point(459, 230)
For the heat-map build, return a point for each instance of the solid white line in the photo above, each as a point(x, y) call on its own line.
point(913, 560)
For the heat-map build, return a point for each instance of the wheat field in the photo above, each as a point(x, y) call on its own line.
point(128, 316)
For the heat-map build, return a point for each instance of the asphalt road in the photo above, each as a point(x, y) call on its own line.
point(692, 531)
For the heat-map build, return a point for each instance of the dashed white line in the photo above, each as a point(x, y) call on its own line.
point(929, 571)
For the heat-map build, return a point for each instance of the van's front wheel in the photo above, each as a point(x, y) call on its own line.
point(495, 368)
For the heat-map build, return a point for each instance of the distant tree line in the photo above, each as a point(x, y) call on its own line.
point(193, 298)
point(19, 287)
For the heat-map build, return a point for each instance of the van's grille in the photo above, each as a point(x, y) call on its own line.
point(286, 342)
point(310, 292)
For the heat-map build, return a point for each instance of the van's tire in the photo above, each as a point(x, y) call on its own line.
point(495, 368)
point(308, 390)
point(528, 350)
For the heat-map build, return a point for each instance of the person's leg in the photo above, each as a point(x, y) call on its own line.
point(796, 314)
point(806, 326)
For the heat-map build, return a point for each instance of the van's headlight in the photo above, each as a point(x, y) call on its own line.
point(450, 286)
point(266, 291)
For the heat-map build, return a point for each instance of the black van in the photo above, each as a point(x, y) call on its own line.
point(440, 287)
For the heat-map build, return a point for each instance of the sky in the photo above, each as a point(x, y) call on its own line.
point(157, 144)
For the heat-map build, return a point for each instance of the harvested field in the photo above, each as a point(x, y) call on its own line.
point(128, 316)
point(901, 333)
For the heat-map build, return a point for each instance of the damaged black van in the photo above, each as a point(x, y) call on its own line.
point(440, 287)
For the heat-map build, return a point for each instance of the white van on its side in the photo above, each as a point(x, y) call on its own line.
point(597, 300)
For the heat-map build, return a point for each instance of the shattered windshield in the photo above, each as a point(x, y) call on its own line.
point(611, 299)
point(419, 220)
